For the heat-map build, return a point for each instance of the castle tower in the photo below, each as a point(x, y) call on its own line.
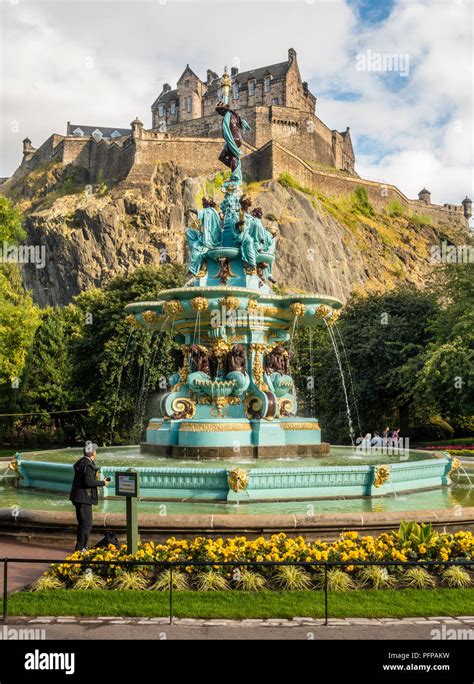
point(424, 196)
point(28, 149)
point(137, 128)
point(467, 204)
point(190, 92)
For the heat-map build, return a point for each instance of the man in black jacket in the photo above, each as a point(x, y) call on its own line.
point(84, 492)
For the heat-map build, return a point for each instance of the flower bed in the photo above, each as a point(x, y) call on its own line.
point(412, 542)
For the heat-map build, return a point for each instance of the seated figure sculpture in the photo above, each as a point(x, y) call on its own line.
point(277, 369)
point(245, 231)
point(202, 366)
point(207, 236)
point(265, 240)
point(236, 369)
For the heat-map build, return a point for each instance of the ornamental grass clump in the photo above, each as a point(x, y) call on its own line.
point(47, 583)
point(130, 580)
point(89, 580)
point(417, 577)
point(179, 579)
point(211, 581)
point(455, 576)
point(248, 580)
point(338, 580)
point(292, 578)
point(377, 577)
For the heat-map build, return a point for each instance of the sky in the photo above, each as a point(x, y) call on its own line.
point(398, 72)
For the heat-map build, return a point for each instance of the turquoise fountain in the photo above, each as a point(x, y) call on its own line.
point(232, 399)
point(233, 394)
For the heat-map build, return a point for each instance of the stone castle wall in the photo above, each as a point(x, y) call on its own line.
point(274, 159)
point(303, 131)
point(133, 161)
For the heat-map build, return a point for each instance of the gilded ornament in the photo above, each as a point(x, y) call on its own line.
point(182, 407)
point(154, 426)
point(238, 479)
point(286, 406)
point(298, 309)
point(455, 463)
point(323, 311)
point(149, 316)
point(174, 306)
point(229, 303)
point(214, 427)
point(131, 318)
point(199, 303)
point(253, 407)
point(299, 426)
point(382, 474)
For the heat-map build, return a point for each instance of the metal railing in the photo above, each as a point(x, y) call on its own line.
point(164, 565)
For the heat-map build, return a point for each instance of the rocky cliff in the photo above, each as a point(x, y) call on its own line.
point(325, 244)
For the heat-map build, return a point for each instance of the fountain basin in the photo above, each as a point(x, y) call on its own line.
point(298, 479)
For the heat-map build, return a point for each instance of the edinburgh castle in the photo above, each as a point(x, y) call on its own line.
point(286, 137)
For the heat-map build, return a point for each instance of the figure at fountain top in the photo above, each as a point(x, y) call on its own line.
point(233, 126)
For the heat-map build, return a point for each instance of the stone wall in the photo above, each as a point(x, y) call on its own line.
point(133, 161)
point(304, 133)
point(274, 159)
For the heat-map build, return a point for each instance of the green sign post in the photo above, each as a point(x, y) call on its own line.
point(127, 485)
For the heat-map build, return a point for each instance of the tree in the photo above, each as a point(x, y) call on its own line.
point(11, 229)
point(115, 367)
point(380, 338)
point(445, 382)
point(19, 318)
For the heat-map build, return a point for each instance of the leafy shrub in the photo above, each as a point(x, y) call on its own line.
point(360, 202)
point(420, 220)
point(394, 209)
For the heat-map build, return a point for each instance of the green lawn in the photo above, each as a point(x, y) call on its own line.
point(239, 604)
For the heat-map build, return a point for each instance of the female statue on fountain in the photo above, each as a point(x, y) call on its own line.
point(207, 236)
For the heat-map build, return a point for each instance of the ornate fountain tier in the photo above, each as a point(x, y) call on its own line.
point(232, 394)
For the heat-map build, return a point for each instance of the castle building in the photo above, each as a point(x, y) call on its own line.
point(286, 137)
point(275, 101)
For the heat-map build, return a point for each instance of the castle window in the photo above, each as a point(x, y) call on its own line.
point(115, 134)
point(173, 107)
point(188, 103)
point(161, 110)
point(251, 88)
point(78, 131)
point(275, 100)
point(97, 135)
point(186, 83)
point(268, 84)
point(236, 91)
